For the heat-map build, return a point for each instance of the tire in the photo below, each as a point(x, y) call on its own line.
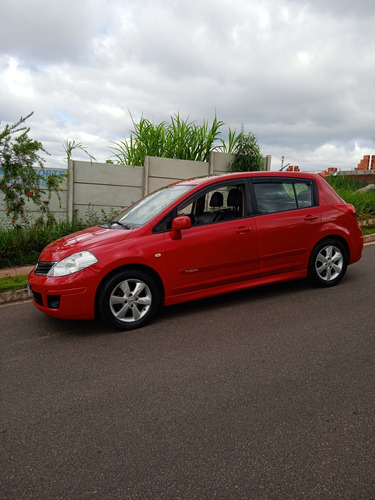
point(328, 263)
point(129, 299)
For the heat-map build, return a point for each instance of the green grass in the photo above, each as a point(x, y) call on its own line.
point(13, 283)
point(368, 230)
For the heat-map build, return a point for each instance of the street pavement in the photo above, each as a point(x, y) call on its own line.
point(263, 394)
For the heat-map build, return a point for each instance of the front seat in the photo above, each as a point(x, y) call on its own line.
point(234, 202)
point(216, 202)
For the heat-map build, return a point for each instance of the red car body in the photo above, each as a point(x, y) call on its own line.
point(189, 251)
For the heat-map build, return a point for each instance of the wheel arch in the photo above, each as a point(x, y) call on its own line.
point(133, 267)
point(331, 236)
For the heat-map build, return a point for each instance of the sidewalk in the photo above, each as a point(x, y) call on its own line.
point(15, 271)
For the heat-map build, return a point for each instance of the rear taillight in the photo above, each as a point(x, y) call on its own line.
point(346, 208)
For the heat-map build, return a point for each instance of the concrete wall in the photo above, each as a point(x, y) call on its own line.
point(103, 186)
point(160, 172)
point(110, 188)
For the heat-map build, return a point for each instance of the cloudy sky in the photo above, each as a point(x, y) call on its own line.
point(299, 74)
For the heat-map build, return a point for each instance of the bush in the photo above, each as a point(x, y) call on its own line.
point(22, 245)
point(247, 155)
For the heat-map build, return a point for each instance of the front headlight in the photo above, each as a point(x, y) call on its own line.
point(73, 264)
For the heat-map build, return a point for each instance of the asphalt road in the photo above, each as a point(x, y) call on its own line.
point(264, 394)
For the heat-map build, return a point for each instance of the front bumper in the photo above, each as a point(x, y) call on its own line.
point(66, 297)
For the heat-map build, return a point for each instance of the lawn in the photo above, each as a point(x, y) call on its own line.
point(13, 283)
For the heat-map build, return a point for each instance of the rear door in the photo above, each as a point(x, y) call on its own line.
point(288, 217)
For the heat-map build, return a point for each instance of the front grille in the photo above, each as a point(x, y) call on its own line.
point(42, 268)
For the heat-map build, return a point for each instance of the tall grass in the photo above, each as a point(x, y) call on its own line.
point(348, 189)
point(345, 182)
point(179, 139)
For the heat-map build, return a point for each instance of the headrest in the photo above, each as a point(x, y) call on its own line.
point(217, 199)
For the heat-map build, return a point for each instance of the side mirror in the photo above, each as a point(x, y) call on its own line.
point(178, 224)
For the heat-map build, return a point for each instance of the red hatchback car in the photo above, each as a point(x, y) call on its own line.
point(198, 238)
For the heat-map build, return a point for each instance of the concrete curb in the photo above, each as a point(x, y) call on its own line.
point(369, 238)
point(21, 295)
point(14, 296)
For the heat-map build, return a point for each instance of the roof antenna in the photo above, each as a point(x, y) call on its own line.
point(282, 164)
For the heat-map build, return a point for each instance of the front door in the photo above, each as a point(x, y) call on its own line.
point(221, 246)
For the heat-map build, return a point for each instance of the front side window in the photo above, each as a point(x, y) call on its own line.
point(280, 196)
point(217, 204)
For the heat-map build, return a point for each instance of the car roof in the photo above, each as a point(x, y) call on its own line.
point(240, 175)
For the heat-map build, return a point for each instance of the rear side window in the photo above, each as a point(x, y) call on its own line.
point(283, 195)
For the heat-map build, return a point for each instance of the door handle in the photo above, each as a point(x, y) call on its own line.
point(310, 218)
point(241, 230)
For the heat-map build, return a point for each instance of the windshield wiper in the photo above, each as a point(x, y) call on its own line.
point(112, 222)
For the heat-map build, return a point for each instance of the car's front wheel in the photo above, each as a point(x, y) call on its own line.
point(129, 299)
point(328, 263)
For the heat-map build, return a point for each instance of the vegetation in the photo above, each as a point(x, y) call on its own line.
point(13, 282)
point(247, 155)
point(368, 228)
point(22, 245)
point(348, 189)
point(23, 174)
point(179, 139)
point(70, 146)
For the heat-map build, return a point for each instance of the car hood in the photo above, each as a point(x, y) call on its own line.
point(87, 239)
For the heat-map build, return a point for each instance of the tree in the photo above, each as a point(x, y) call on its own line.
point(247, 155)
point(24, 174)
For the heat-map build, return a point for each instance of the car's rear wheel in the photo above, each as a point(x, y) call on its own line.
point(129, 299)
point(328, 263)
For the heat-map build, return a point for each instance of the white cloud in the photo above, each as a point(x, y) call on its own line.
point(17, 81)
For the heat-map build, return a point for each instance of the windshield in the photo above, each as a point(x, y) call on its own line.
point(150, 206)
